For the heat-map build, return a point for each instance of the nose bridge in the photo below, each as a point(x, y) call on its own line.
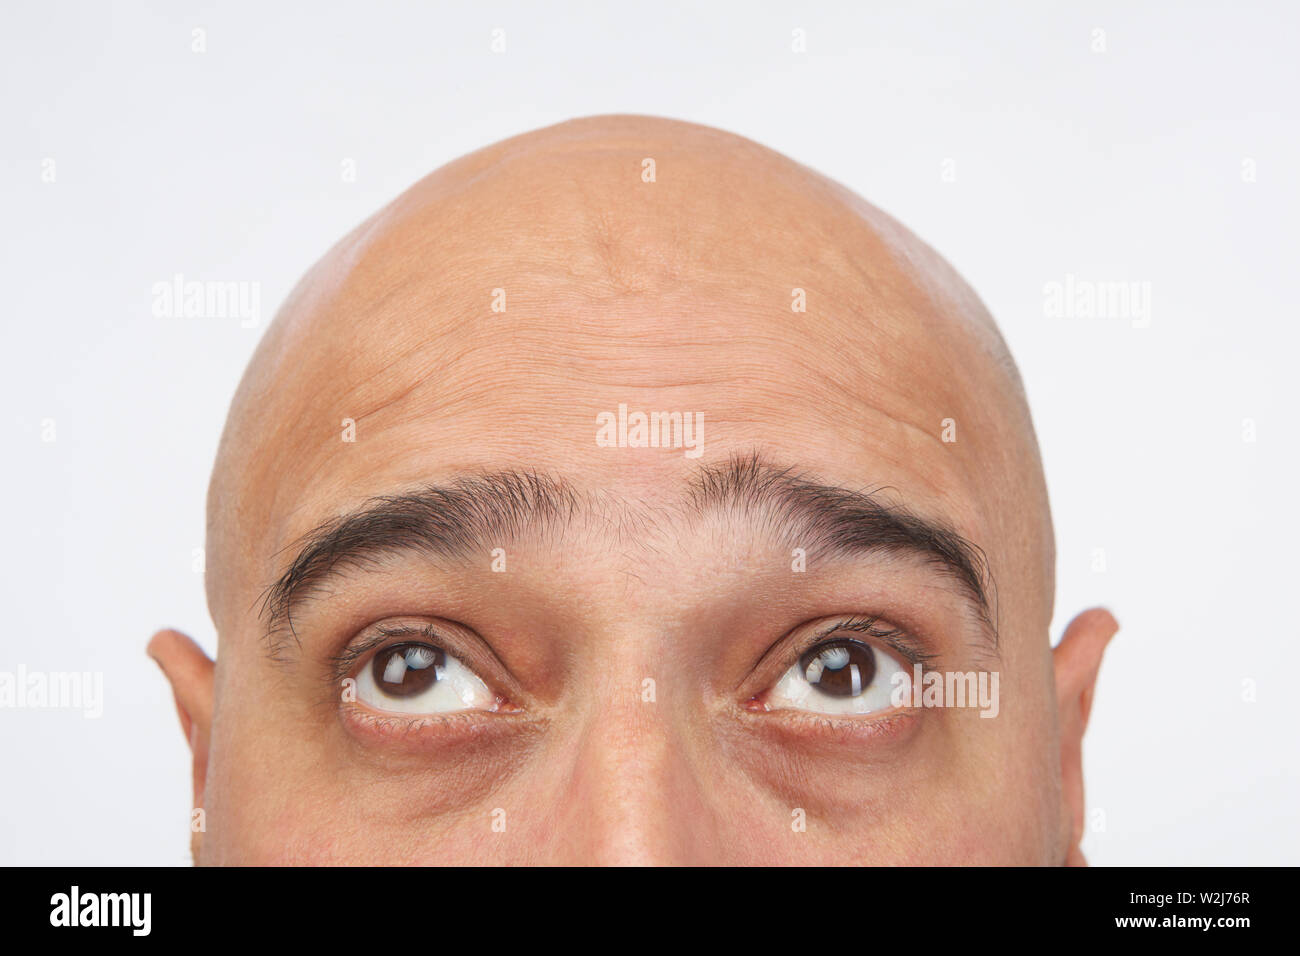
point(636, 797)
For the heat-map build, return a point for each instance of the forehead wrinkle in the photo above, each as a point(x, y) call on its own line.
point(473, 383)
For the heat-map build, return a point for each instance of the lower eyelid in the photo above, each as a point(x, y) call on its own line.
point(379, 728)
point(883, 727)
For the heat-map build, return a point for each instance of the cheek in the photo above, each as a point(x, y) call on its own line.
point(267, 796)
point(1006, 807)
point(1031, 756)
point(252, 823)
point(255, 819)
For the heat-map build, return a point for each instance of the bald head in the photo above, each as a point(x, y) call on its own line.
point(632, 255)
point(612, 477)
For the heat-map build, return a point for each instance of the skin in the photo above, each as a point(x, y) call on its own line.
point(666, 295)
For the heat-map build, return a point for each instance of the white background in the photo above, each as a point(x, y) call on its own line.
point(1123, 165)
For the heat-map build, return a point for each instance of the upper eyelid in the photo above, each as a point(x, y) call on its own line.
point(343, 663)
point(909, 647)
point(787, 649)
point(471, 650)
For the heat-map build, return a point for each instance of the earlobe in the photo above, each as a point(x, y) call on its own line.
point(190, 672)
point(1076, 661)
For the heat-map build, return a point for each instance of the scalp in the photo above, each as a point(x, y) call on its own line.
point(564, 220)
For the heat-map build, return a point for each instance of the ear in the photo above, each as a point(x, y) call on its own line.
point(190, 672)
point(1076, 661)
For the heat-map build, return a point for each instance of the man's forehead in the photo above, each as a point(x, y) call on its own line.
point(538, 398)
point(534, 382)
point(789, 325)
point(866, 414)
point(503, 287)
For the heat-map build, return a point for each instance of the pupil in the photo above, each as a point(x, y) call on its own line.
point(405, 670)
point(839, 668)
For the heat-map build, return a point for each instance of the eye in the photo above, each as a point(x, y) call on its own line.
point(840, 676)
point(420, 678)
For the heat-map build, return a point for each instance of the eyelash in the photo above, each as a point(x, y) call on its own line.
point(343, 664)
point(906, 645)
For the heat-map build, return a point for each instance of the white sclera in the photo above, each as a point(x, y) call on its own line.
point(457, 688)
point(796, 690)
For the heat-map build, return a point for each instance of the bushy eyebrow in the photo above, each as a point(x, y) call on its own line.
point(839, 521)
point(449, 521)
point(471, 514)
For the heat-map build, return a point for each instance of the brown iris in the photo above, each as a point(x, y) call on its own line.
point(839, 668)
point(405, 670)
